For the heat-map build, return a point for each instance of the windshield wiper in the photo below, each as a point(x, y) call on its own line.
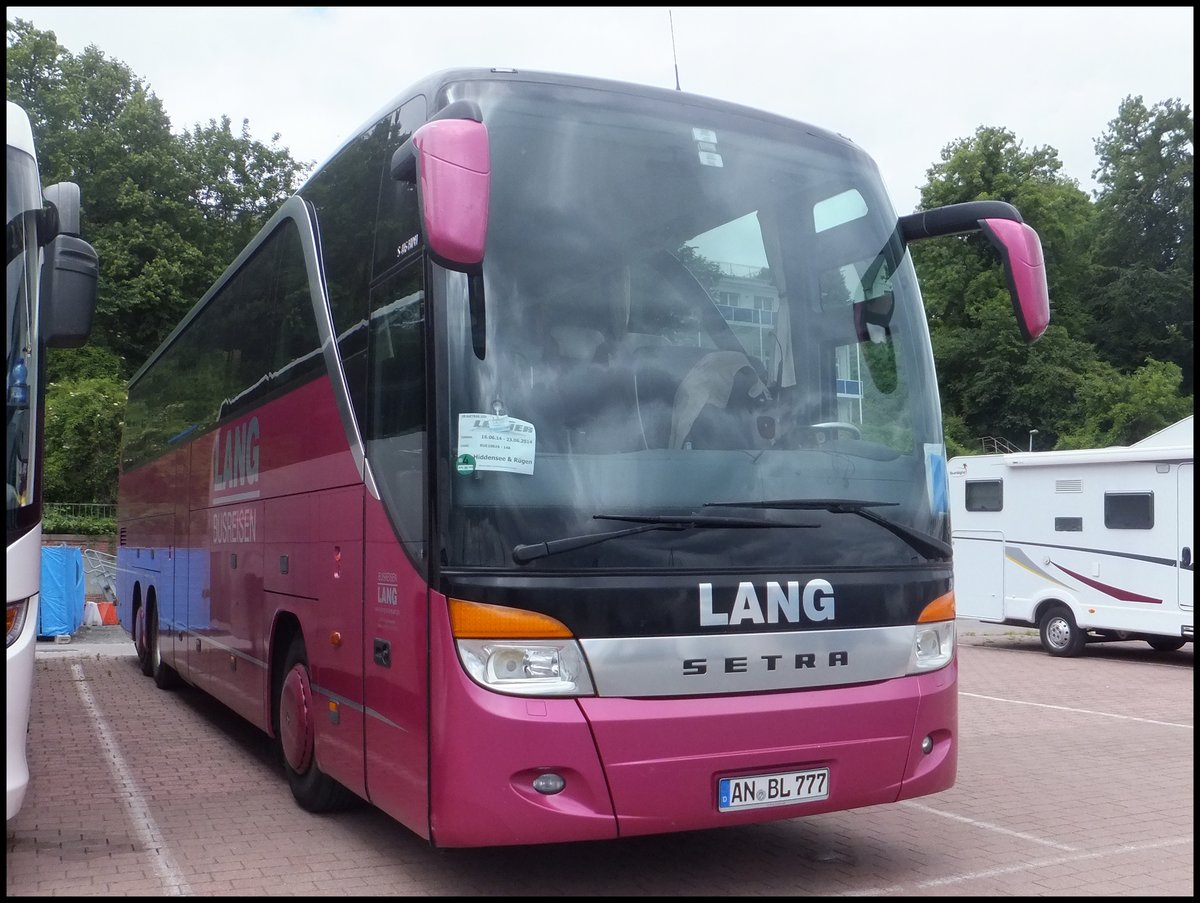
point(929, 546)
point(524, 553)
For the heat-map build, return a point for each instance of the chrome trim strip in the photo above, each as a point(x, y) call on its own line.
point(745, 663)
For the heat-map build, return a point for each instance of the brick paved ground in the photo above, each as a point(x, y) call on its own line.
point(1075, 778)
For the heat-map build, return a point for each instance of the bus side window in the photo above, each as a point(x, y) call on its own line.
point(397, 384)
point(398, 226)
point(296, 348)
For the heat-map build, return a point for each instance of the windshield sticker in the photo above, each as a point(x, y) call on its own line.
point(936, 479)
point(495, 442)
point(706, 147)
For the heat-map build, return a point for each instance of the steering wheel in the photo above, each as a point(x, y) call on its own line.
point(832, 426)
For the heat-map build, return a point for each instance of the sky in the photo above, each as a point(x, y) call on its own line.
point(901, 82)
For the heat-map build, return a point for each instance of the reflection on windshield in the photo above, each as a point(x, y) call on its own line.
point(682, 307)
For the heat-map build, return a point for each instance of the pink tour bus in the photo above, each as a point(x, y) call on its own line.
point(564, 462)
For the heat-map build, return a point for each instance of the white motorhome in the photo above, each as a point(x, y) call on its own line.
point(1087, 546)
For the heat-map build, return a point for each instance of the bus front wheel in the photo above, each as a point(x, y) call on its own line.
point(1061, 636)
point(295, 732)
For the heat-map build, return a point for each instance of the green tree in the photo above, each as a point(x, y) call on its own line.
point(165, 213)
point(238, 182)
point(83, 428)
point(1146, 177)
point(1142, 279)
point(991, 382)
point(1121, 411)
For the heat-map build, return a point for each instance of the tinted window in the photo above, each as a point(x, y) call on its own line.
point(395, 429)
point(253, 338)
point(985, 495)
point(346, 197)
point(1129, 510)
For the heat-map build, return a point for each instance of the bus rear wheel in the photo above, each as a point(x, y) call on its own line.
point(295, 732)
point(1060, 634)
point(140, 643)
point(165, 677)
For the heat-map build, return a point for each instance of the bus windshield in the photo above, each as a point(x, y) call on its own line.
point(682, 306)
point(23, 201)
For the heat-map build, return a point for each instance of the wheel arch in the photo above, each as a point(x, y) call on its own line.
point(286, 628)
point(1044, 605)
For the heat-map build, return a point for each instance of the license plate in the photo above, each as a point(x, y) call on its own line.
point(758, 790)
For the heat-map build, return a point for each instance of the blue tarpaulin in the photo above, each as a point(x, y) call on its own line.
point(60, 606)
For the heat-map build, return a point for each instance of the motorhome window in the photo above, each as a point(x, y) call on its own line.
point(985, 495)
point(1068, 524)
point(1129, 510)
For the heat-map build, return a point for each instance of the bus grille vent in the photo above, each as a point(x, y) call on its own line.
point(1068, 485)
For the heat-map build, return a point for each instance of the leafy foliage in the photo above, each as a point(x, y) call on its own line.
point(166, 213)
point(83, 430)
point(77, 525)
point(1095, 376)
point(1143, 260)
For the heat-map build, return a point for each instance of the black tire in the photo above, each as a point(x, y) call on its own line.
point(141, 641)
point(295, 725)
point(1061, 636)
point(1166, 643)
point(165, 677)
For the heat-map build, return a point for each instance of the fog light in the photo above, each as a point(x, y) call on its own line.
point(549, 783)
point(927, 745)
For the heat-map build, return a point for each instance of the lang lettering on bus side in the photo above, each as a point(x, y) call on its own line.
point(236, 456)
point(387, 592)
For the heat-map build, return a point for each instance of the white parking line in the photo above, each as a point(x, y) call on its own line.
point(1063, 708)
point(1024, 866)
point(990, 827)
point(144, 826)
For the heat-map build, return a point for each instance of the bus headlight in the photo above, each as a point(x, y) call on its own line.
point(527, 668)
point(933, 647)
point(511, 650)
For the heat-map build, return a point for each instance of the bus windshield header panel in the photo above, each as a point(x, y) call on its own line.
point(696, 317)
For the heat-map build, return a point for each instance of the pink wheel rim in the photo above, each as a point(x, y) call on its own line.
point(295, 719)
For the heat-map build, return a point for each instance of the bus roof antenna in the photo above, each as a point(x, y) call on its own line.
point(674, 55)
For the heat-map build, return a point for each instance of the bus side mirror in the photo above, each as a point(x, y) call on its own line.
point(450, 160)
point(70, 273)
point(63, 197)
point(1025, 270)
point(1019, 246)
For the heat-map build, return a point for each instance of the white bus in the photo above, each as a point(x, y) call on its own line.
point(1088, 546)
point(51, 296)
